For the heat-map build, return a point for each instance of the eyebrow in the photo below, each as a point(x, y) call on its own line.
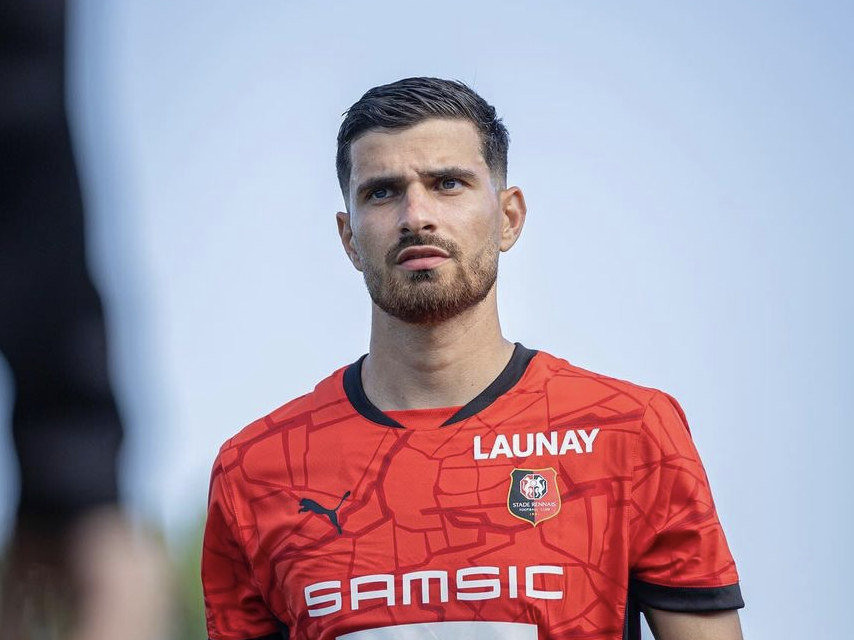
point(395, 180)
point(450, 172)
point(378, 182)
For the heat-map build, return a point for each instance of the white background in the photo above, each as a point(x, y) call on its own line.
point(688, 171)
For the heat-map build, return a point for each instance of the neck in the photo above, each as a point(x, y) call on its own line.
point(413, 366)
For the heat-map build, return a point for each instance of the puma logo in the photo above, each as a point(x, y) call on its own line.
point(307, 504)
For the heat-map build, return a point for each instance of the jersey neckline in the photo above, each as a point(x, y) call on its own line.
point(422, 419)
point(509, 376)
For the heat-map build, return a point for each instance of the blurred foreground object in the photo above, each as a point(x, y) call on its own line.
point(98, 579)
point(75, 567)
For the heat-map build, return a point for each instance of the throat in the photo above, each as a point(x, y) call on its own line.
point(434, 382)
point(428, 414)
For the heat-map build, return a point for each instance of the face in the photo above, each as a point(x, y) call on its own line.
point(426, 220)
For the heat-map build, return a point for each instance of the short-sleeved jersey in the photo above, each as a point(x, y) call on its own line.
point(553, 505)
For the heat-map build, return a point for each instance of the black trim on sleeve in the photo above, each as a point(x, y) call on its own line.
point(686, 598)
point(632, 622)
point(509, 376)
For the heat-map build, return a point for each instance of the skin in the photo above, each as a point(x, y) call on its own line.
point(442, 186)
point(431, 179)
point(713, 625)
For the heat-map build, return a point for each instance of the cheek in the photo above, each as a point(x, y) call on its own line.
point(366, 243)
point(486, 232)
point(475, 217)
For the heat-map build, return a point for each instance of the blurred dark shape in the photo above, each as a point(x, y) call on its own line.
point(65, 422)
point(66, 427)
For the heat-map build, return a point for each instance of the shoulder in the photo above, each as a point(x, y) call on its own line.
point(305, 410)
point(564, 380)
point(575, 391)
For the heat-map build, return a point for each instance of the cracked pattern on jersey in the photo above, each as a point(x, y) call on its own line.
point(426, 535)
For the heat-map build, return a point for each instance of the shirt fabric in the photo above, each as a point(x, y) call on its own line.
point(553, 505)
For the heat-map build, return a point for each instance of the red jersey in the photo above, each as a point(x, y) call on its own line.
point(550, 506)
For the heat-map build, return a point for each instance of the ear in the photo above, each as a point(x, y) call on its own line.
point(346, 234)
point(513, 210)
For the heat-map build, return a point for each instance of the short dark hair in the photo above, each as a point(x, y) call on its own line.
point(410, 101)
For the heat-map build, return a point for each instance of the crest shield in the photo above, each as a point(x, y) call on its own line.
point(534, 495)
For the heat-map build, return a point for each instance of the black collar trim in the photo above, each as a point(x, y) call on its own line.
point(505, 381)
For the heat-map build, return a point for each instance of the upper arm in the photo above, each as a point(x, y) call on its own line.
point(680, 560)
point(678, 625)
point(234, 606)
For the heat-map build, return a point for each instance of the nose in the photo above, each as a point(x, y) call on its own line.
point(417, 211)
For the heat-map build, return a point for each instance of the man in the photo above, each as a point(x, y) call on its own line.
point(451, 484)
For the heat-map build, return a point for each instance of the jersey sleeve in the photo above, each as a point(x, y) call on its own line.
point(679, 558)
point(234, 607)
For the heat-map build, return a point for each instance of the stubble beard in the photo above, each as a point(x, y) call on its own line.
point(428, 297)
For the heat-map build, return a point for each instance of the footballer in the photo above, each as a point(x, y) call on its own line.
point(451, 483)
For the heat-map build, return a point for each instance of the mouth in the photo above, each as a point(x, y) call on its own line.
point(421, 257)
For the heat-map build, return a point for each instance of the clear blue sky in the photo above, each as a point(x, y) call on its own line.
point(689, 175)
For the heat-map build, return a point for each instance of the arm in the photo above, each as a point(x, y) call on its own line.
point(711, 625)
point(235, 608)
point(683, 575)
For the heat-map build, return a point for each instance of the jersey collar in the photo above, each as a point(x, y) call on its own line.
point(509, 376)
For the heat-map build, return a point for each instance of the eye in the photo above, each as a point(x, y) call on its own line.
point(379, 194)
point(449, 183)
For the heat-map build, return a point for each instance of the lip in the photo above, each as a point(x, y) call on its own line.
point(421, 258)
point(419, 252)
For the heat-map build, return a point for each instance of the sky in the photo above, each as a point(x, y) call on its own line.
point(688, 174)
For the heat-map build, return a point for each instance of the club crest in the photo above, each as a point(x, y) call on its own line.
point(534, 495)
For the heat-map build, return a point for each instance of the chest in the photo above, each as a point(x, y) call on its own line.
point(519, 522)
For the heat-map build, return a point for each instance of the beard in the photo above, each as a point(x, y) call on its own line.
point(428, 297)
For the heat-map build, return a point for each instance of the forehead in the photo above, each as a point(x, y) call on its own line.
point(432, 144)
